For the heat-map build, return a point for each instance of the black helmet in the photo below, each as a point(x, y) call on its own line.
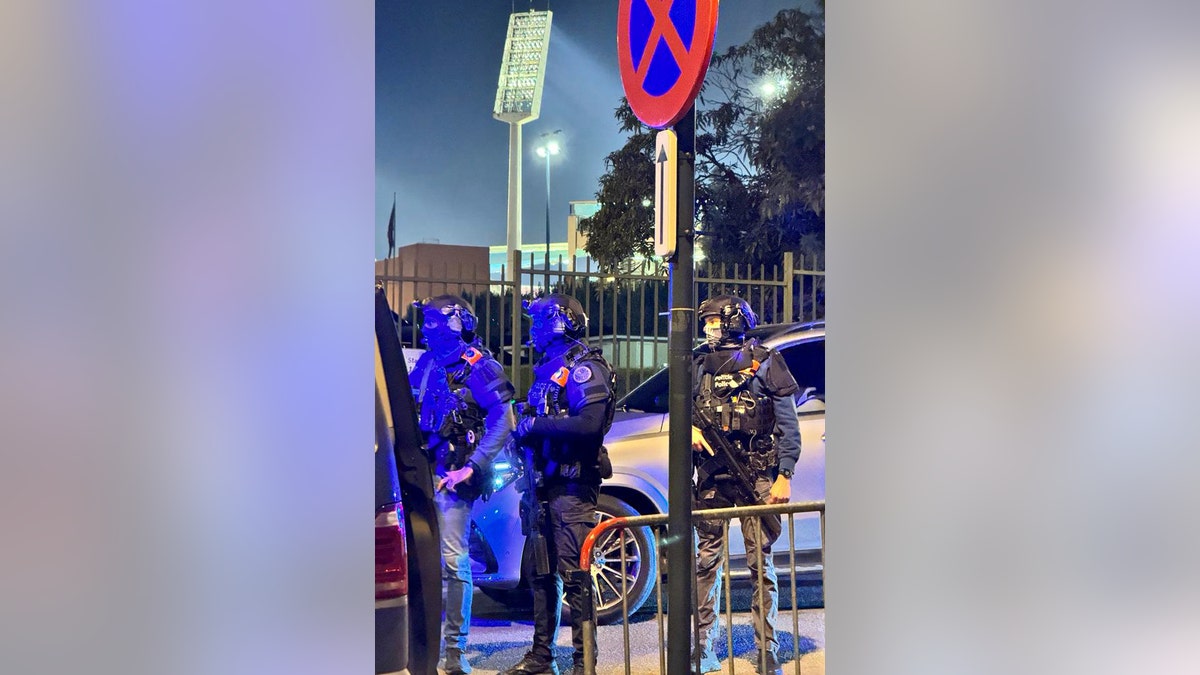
point(736, 318)
point(553, 315)
point(448, 318)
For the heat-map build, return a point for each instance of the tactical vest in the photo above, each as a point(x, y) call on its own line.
point(550, 396)
point(452, 416)
point(747, 418)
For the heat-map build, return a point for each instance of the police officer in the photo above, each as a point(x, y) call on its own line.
point(466, 415)
point(572, 404)
point(747, 389)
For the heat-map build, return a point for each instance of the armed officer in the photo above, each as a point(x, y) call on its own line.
point(570, 408)
point(466, 415)
point(745, 390)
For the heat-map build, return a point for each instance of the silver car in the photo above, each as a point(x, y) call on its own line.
point(637, 445)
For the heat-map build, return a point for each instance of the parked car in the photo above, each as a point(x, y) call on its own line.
point(637, 446)
point(391, 550)
point(408, 566)
point(391, 562)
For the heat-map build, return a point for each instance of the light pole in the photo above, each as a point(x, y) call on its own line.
point(519, 100)
point(548, 147)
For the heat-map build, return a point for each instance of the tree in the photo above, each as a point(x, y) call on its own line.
point(762, 148)
point(760, 159)
point(624, 225)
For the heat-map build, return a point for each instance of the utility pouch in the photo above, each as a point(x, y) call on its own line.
point(604, 466)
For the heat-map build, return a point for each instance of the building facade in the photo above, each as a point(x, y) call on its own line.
point(425, 269)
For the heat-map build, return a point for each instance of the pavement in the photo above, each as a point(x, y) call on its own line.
point(500, 635)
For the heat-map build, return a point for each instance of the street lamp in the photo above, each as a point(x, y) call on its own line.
point(549, 146)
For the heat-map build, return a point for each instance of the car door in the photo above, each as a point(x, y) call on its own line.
point(414, 479)
point(806, 361)
point(637, 441)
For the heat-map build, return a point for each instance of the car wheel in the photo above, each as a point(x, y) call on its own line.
point(641, 556)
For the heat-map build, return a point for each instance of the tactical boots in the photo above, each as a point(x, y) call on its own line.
point(533, 664)
point(456, 663)
point(577, 669)
point(773, 667)
point(539, 660)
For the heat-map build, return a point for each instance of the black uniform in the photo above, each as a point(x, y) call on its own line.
point(573, 404)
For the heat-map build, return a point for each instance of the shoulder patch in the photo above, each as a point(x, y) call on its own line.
point(472, 355)
point(581, 374)
point(560, 376)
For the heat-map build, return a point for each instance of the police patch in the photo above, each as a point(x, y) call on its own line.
point(582, 374)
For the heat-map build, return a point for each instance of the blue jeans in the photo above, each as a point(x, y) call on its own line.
point(454, 521)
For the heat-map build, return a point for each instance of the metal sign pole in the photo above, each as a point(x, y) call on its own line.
point(681, 567)
point(661, 95)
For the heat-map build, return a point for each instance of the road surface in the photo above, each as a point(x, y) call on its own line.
point(500, 635)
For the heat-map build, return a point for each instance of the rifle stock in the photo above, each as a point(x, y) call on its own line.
point(533, 513)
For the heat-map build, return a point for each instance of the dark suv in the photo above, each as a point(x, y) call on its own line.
point(408, 568)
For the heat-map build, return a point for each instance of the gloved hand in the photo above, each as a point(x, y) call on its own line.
point(524, 427)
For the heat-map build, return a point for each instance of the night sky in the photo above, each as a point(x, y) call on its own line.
point(438, 147)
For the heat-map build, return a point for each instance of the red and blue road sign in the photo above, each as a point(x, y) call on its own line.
point(663, 49)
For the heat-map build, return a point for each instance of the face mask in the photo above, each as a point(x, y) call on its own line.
point(713, 334)
point(546, 328)
point(440, 332)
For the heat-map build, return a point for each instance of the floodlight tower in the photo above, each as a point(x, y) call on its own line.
point(519, 100)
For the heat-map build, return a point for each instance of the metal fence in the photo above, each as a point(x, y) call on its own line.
point(627, 310)
point(616, 528)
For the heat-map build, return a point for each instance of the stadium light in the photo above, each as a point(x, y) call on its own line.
point(519, 100)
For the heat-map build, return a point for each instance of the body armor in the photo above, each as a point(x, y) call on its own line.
point(747, 418)
point(564, 385)
point(450, 415)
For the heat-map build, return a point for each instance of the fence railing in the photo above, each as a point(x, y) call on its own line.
point(657, 523)
point(627, 310)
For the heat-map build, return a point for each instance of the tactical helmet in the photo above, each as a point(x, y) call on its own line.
point(554, 315)
point(447, 319)
point(736, 318)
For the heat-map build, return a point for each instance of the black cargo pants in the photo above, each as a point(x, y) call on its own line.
point(571, 516)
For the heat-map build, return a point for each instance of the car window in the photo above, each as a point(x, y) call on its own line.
point(651, 395)
point(806, 361)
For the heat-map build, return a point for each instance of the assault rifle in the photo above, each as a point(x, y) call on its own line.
point(742, 483)
point(533, 510)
